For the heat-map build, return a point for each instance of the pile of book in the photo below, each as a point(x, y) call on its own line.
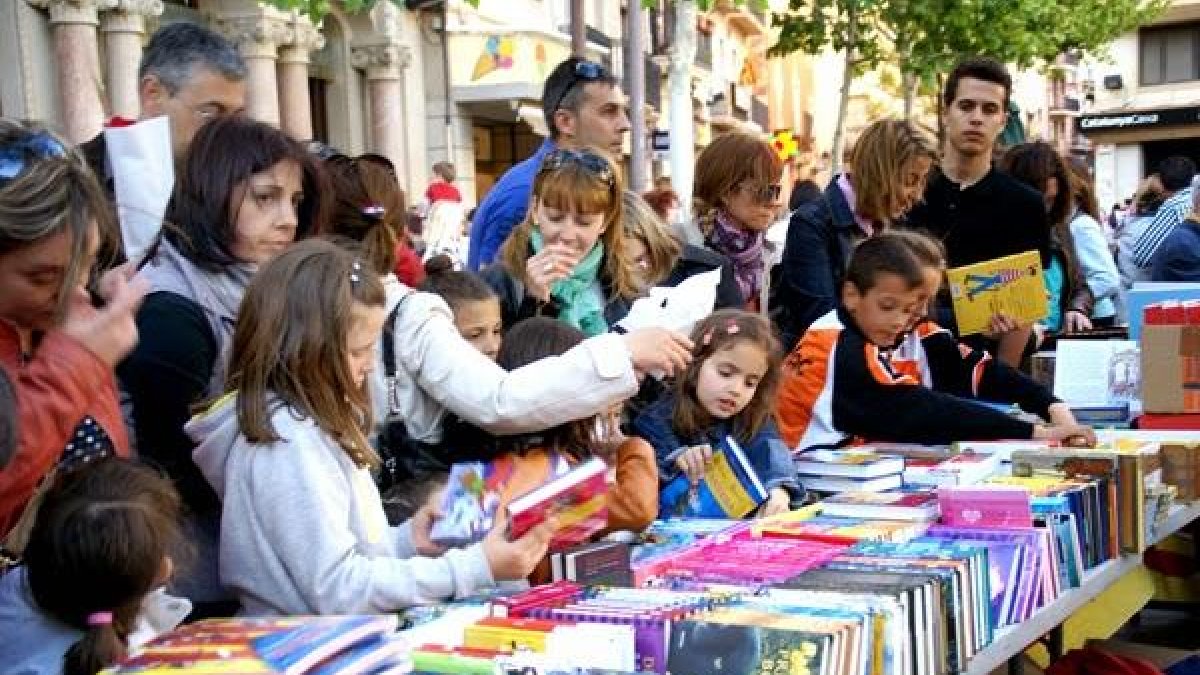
point(848, 470)
point(334, 645)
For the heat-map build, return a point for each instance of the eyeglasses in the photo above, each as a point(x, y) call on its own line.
point(763, 194)
point(593, 163)
point(584, 71)
point(37, 146)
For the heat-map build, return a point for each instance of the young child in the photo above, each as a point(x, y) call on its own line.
point(631, 502)
point(476, 307)
point(728, 390)
point(302, 527)
point(101, 544)
point(877, 352)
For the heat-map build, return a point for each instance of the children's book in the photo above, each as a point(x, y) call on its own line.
point(368, 658)
point(985, 506)
point(912, 505)
point(730, 488)
point(468, 506)
point(578, 499)
point(1012, 285)
point(299, 650)
point(807, 524)
point(849, 463)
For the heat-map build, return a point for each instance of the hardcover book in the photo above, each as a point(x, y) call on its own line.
point(913, 505)
point(578, 499)
point(850, 463)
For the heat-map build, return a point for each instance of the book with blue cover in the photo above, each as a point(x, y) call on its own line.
point(299, 650)
point(730, 488)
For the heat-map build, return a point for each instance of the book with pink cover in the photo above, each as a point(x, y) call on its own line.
point(899, 505)
point(963, 469)
point(578, 499)
point(985, 506)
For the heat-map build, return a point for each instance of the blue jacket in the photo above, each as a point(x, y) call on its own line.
point(503, 208)
point(1178, 259)
point(766, 452)
point(820, 237)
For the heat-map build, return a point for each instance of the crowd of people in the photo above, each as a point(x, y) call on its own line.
point(258, 414)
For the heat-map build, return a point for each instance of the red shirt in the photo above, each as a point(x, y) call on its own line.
point(442, 192)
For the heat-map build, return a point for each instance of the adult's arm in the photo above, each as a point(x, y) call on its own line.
point(807, 274)
point(1169, 216)
point(1095, 258)
point(590, 378)
point(494, 227)
point(1176, 261)
point(165, 377)
point(53, 394)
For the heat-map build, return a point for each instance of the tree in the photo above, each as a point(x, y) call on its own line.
point(926, 37)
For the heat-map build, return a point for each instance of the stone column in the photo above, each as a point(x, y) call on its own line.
point(294, 102)
point(257, 35)
point(123, 28)
point(384, 63)
point(77, 58)
point(682, 53)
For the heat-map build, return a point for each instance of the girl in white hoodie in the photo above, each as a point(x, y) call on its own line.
point(302, 527)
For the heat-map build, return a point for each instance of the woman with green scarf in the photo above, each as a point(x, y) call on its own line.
point(568, 260)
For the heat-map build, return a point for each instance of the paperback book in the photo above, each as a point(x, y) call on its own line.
point(730, 488)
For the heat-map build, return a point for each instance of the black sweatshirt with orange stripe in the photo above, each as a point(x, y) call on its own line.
point(837, 385)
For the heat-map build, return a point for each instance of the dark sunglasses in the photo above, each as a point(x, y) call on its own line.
point(584, 71)
point(37, 146)
point(764, 194)
point(593, 163)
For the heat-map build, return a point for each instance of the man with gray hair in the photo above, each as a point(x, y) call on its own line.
point(191, 75)
point(1178, 258)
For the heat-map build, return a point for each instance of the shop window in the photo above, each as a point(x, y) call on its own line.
point(1170, 54)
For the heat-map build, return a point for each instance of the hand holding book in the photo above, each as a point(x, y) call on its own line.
point(510, 560)
point(694, 461)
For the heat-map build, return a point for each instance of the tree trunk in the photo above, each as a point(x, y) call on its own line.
point(682, 53)
point(839, 133)
point(910, 84)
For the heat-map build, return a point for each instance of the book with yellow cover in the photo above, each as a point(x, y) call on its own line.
point(1011, 285)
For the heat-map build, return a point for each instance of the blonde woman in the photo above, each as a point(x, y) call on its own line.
point(661, 260)
point(443, 232)
point(885, 179)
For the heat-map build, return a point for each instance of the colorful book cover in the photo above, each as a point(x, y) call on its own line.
point(577, 499)
point(730, 488)
point(368, 658)
point(701, 647)
point(808, 524)
point(851, 463)
point(920, 505)
point(300, 649)
point(985, 506)
point(1011, 285)
point(468, 506)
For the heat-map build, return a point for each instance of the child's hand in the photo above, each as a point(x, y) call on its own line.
point(778, 501)
point(658, 350)
point(422, 523)
point(693, 461)
point(512, 560)
point(1076, 435)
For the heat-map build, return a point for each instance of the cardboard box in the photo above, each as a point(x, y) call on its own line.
point(1181, 468)
point(1171, 369)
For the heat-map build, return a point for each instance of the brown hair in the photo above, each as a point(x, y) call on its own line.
point(202, 218)
point(730, 161)
point(717, 332)
point(661, 247)
point(662, 200)
point(52, 194)
point(8, 419)
point(877, 164)
point(887, 253)
point(531, 340)
point(445, 170)
point(102, 536)
point(368, 207)
point(456, 287)
point(1083, 190)
point(573, 186)
point(290, 342)
point(1034, 164)
point(977, 68)
point(929, 251)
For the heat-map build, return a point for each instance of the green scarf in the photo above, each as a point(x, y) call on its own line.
point(578, 305)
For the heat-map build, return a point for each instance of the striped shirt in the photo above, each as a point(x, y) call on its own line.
point(1170, 214)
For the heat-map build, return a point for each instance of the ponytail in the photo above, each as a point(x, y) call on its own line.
point(103, 642)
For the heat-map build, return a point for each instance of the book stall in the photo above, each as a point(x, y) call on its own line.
point(915, 561)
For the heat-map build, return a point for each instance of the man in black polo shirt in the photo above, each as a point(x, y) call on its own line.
point(978, 212)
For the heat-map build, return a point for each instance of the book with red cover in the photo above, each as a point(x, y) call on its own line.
point(978, 506)
point(1165, 422)
point(578, 499)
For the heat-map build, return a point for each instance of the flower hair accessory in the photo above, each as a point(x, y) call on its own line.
point(96, 619)
point(731, 328)
point(356, 271)
point(373, 211)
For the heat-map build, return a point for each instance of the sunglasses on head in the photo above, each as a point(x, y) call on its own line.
point(593, 163)
point(14, 156)
point(584, 71)
point(763, 194)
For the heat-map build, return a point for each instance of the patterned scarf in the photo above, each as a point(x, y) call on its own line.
point(744, 248)
point(578, 305)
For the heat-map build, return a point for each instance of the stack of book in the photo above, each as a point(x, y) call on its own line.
point(960, 469)
point(848, 470)
point(342, 645)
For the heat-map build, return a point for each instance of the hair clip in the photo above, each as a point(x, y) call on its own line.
point(373, 211)
point(732, 328)
point(356, 271)
point(99, 619)
point(707, 339)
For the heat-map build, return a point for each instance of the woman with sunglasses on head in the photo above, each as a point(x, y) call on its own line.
point(885, 179)
point(58, 350)
point(736, 197)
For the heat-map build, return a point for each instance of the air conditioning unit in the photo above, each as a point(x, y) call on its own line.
point(1113, 82)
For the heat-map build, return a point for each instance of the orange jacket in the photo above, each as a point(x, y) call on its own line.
point(61, 384)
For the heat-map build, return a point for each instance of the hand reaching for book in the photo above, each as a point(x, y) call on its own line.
point(422, 522)
point(513, 560)
point(1076, 435)
point(779, 501)
point(694, 461)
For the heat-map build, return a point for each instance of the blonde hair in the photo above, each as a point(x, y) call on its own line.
point(877, 164)
point(661, 247)
point(730, 161)
point(442, 226)
point(574, 186)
